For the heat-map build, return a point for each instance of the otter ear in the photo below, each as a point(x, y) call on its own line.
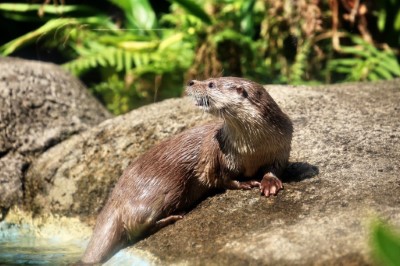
point(241, 91)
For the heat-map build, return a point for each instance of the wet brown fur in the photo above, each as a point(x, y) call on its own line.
point(254, 135)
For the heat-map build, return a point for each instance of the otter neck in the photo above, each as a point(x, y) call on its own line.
point(244, 137)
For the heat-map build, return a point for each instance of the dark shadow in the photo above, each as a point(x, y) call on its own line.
point(3, 212)
point(298, 171)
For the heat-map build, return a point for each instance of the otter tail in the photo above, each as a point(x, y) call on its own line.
point(106, 240)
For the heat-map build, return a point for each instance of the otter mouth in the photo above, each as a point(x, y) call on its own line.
point(202, 102)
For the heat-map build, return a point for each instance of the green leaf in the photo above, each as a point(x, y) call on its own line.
point(381, 19)
point(386, 244)
point(54, 28)
point(137, 60)
point(391, 67)
point(171, 40)
point(102, 61)
point(42, 13)
point(345, 61)
point(355, 50)
point(120, 60)
point(344, 70)
point(139, 13)
point(383, 72)
point(396, 24)
point(231, 35)
point(138, 46)
point(128, 61)
point(146, 58)
point(48, 28)
point(50, 9)
point(373, 77)
point(247, 23)
point(193, 9)
point(388, 60)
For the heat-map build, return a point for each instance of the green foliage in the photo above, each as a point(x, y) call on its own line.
point(364, 61)
point(386, 245)
point(299, 67)
point(138, 13)
point(247, 19)
point(64, 27)
point(29, 12)
point(125, 58)
point(227, 45)
point(388, 20)
point(145, 55)
point(193, 9)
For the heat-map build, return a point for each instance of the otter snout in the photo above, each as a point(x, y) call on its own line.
point(200, 85)
point(196, 90)
point(215, 95)
point(194, 87)
point(190, 87)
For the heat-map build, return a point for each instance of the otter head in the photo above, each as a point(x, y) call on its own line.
point(234, 99)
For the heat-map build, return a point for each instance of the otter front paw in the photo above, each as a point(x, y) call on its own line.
point(270, 185)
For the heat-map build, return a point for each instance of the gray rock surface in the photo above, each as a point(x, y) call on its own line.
point(344, 172)
point(76, 176)
point(351, 133)
point(40, 105)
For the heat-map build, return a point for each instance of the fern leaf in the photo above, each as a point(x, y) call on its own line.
point(48, 28)
point(128, 61)
point(120, 59)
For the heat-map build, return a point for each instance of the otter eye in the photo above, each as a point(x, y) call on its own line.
point(211, 85)
point(241, 91)
point(190, 83)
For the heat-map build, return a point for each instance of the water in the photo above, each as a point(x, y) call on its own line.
point(19, 245)
point(54, 244)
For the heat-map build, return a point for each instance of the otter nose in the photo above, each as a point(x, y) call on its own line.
point(190, 83)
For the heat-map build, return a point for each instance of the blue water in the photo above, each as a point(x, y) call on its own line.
point(19, 245)
point(22, 247)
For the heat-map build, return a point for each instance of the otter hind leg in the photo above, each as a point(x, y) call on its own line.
point(138, 220)
point(147, 221)
point(164, 222)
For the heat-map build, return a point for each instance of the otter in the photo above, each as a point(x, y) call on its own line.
point(252, 138)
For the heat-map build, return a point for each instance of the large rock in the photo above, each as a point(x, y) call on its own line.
point(40, 105)
point(348, 133)
point(76, 176)
point(352, 134)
